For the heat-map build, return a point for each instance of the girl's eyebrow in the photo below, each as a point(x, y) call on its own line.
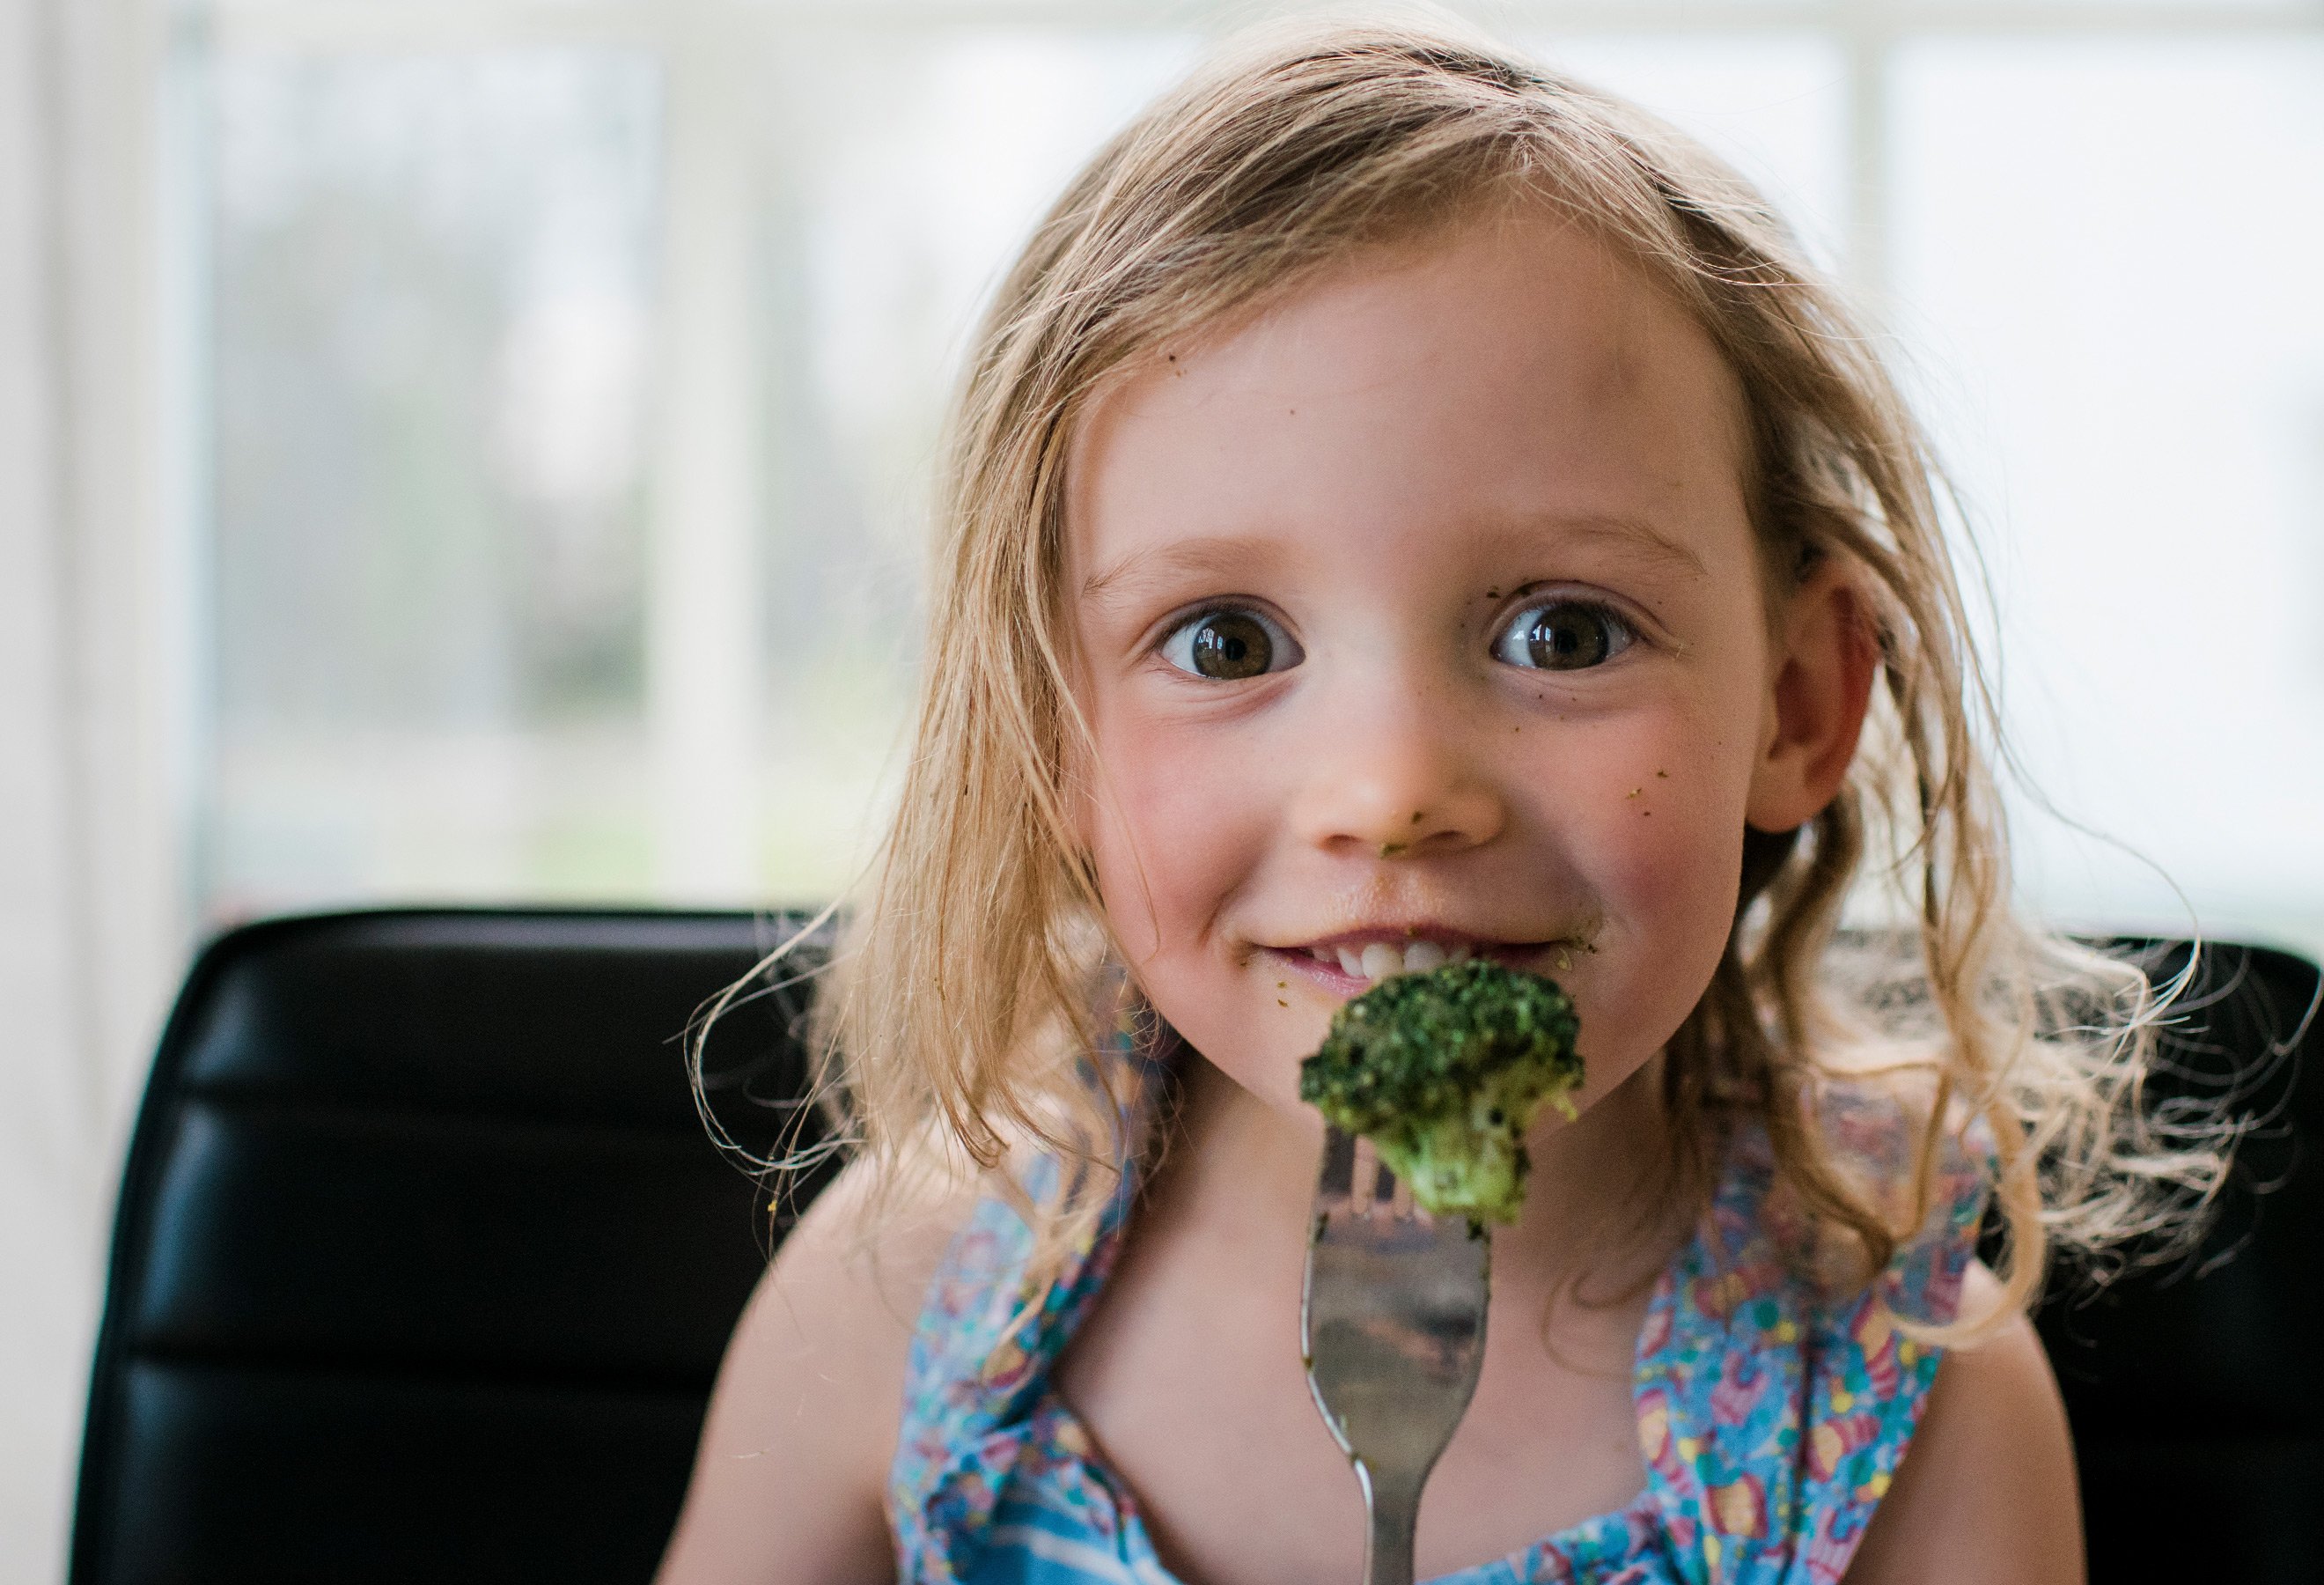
point(1212, 555)
point(1634, 536)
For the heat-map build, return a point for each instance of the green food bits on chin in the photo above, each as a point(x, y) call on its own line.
point(1442, 1071)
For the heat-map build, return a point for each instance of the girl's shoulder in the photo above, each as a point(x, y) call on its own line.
point(858, 1266)
point(1989, 1491)
point(791, 1475)
point(1777, 1392)
point(852, 1279)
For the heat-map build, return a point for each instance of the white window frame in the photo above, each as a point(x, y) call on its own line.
point(701, 703)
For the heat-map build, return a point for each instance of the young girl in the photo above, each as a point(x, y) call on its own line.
point(1402, 503)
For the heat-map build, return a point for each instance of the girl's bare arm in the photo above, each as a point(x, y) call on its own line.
point(793, 1458)
point(1986, 1494)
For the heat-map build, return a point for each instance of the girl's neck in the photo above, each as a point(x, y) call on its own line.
point(1590, 1223)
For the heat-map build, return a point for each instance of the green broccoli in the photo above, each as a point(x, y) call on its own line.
point(1442, 1071)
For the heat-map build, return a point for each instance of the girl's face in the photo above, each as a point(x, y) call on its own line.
point(1422, 616)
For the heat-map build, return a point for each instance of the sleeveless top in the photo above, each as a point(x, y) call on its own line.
point(1771, 1418)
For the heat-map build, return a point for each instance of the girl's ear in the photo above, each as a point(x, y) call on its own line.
point(1822, 685)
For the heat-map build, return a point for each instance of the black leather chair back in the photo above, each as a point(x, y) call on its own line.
point(424, 1261)
point(2197, 1391)
point(424, 1265)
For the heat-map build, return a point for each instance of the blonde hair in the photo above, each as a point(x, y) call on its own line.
point(966, 1001)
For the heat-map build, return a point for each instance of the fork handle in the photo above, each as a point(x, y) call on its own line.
point(1395, 1510)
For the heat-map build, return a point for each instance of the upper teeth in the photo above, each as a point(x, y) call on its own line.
point(1378, 960)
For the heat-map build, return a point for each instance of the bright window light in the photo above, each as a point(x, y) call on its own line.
point(573, 374)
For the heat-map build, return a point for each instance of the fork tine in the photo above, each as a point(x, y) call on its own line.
point(1337, 1180)
point(1366, 1193)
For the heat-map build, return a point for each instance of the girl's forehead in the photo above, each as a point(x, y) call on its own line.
point(1514, 368)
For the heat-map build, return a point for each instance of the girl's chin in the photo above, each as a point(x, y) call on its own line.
point(1256, 1081)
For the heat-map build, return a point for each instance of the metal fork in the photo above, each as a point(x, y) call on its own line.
point(1392, 1324)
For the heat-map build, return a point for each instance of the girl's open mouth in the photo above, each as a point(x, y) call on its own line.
point(1350, 965)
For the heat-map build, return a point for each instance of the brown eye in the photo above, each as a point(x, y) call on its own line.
point(1227, 645)
point(1562, 635)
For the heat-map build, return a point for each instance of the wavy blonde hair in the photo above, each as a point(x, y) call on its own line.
point(966, 1002)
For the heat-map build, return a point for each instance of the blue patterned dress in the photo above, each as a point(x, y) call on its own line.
point(1771, 1418)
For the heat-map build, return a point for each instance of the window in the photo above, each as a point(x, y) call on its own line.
point(571, 371)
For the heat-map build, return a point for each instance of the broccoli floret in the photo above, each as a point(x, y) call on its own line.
point(1442, 1071)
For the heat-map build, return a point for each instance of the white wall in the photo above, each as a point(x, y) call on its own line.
point(88, 910)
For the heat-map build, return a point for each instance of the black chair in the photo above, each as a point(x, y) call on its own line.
point(2197, 1390)
point(424, 1261)
point(424, 1264)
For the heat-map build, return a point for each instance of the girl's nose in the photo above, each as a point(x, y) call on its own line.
point(1396, 783)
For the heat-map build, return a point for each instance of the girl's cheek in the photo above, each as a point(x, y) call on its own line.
point(1676, 845)
point(1662, 848)
point(1177, 826)
point(1649, 807)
